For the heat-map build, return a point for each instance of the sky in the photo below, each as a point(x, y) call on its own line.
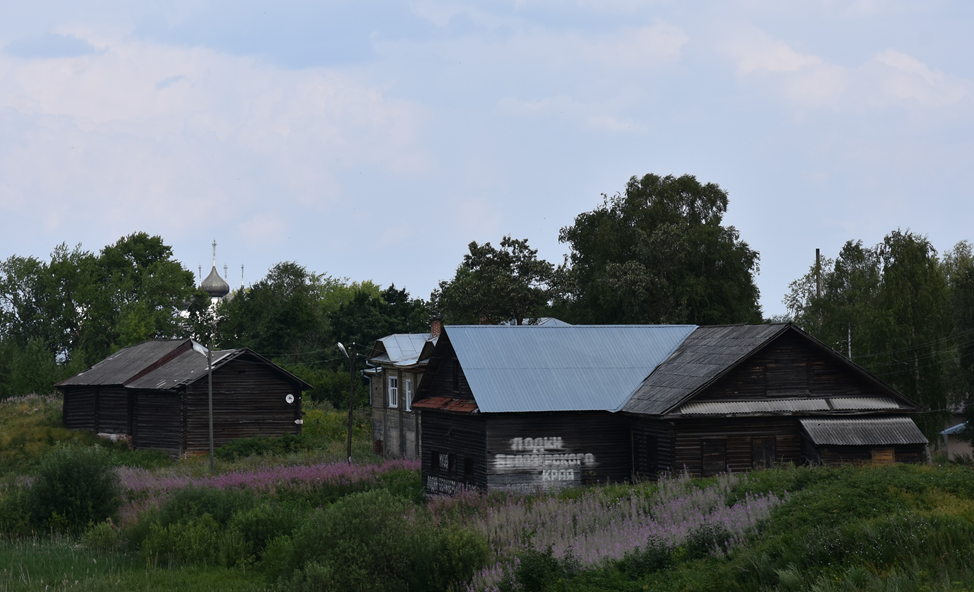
point(375, 140)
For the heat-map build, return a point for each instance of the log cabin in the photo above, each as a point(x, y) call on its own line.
point(549, 407)
point(155, 395)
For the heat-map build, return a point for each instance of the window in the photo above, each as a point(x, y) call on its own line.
point(393, 391)
point(434, 461)
point(451, 463)
point(409, 392)
point(444, 463)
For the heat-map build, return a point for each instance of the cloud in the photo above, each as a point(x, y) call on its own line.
point(595, 116)
point(50, 45)
point(888, 79)
point(144, 132)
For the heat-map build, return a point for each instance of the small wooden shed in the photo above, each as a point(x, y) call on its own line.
point(156, 394)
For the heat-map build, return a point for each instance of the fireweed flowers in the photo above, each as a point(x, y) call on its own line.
point(595, 528)
point(269, 479)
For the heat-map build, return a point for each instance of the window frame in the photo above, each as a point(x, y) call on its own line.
point(393, 392)
point(409, 392)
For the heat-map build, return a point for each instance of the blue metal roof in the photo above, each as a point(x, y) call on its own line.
point(954, 430)
point(560, 368)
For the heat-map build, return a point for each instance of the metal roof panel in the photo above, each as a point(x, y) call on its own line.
point(764, 406)
point(884, 431)
point(560, 368)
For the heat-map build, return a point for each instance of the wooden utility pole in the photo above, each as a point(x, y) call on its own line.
point(351, 394)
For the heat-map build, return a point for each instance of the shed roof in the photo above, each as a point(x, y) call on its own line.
point(883, 431)
point(560, 368)
point(705, 355)
point(955, 430)
point(161, 365)
point(128, 362)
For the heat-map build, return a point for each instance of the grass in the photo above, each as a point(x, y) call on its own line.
point(903, 527)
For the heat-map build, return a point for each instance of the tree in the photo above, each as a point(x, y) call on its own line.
point(133, 291)
point(894, 302)
point(496, 285)
point(659, 254)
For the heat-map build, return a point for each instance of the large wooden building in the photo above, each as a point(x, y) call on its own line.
point(156, 394)
point(539, 407)
point(749, 396)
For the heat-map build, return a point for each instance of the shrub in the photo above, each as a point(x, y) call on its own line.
point(364, 539)
point(102, 537)
point(261, 524)
point(439, 558)
point(196, 541)
point(74, 487)
point(14, 511)
point(192, 503)
point(655, 556)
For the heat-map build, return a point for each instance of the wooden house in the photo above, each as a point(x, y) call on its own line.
point(549, 407)
point(397, 368)
point(156, 395)
point(749, 396)
point(533, 407)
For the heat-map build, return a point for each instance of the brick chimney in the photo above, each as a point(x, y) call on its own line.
point(436, 326)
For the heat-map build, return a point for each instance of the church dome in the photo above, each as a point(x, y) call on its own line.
point(214, 285)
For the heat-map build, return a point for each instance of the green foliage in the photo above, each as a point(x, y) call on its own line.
point(263, 523)
point(497, 285)
point(192, 503)
point(102, 536)
point(659, 254)
point(374, 541)
point(540, 571)
point(899, 309)
point(260, 445)
point(72, 488)
point(195, 541)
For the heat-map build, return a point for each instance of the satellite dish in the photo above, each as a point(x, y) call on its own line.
point(342, 347)
point(289, 398)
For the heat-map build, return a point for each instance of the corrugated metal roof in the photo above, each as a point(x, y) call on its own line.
point(764, 406)
point(184, 369)
point(127, 362)
point(884, 431)
point(560, 368)
point(953, 431)
point(401, 349)
point(864, 403)
point(702, 357)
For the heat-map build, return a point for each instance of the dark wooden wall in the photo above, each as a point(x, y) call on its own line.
point(157, 421)
point(575, 448)
point(440, 369)
point(459, 434)
point(248, 400)
point(79, 407)
point(788, 367)
point(863, 455)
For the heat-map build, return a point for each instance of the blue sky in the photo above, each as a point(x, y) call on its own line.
point(374, 140)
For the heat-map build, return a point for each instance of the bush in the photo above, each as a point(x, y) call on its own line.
point(196, 541)
point(14, 510)
point(439, 558)
point(74, 487)
point(655, 556)
point(102, 537)
point(261, 524)
point(192, 503)
point(363, 539)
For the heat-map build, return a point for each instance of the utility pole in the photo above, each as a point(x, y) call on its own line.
point(351, 394)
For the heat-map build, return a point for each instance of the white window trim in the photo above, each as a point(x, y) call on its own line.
point(409, 392)
point(393, 391)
